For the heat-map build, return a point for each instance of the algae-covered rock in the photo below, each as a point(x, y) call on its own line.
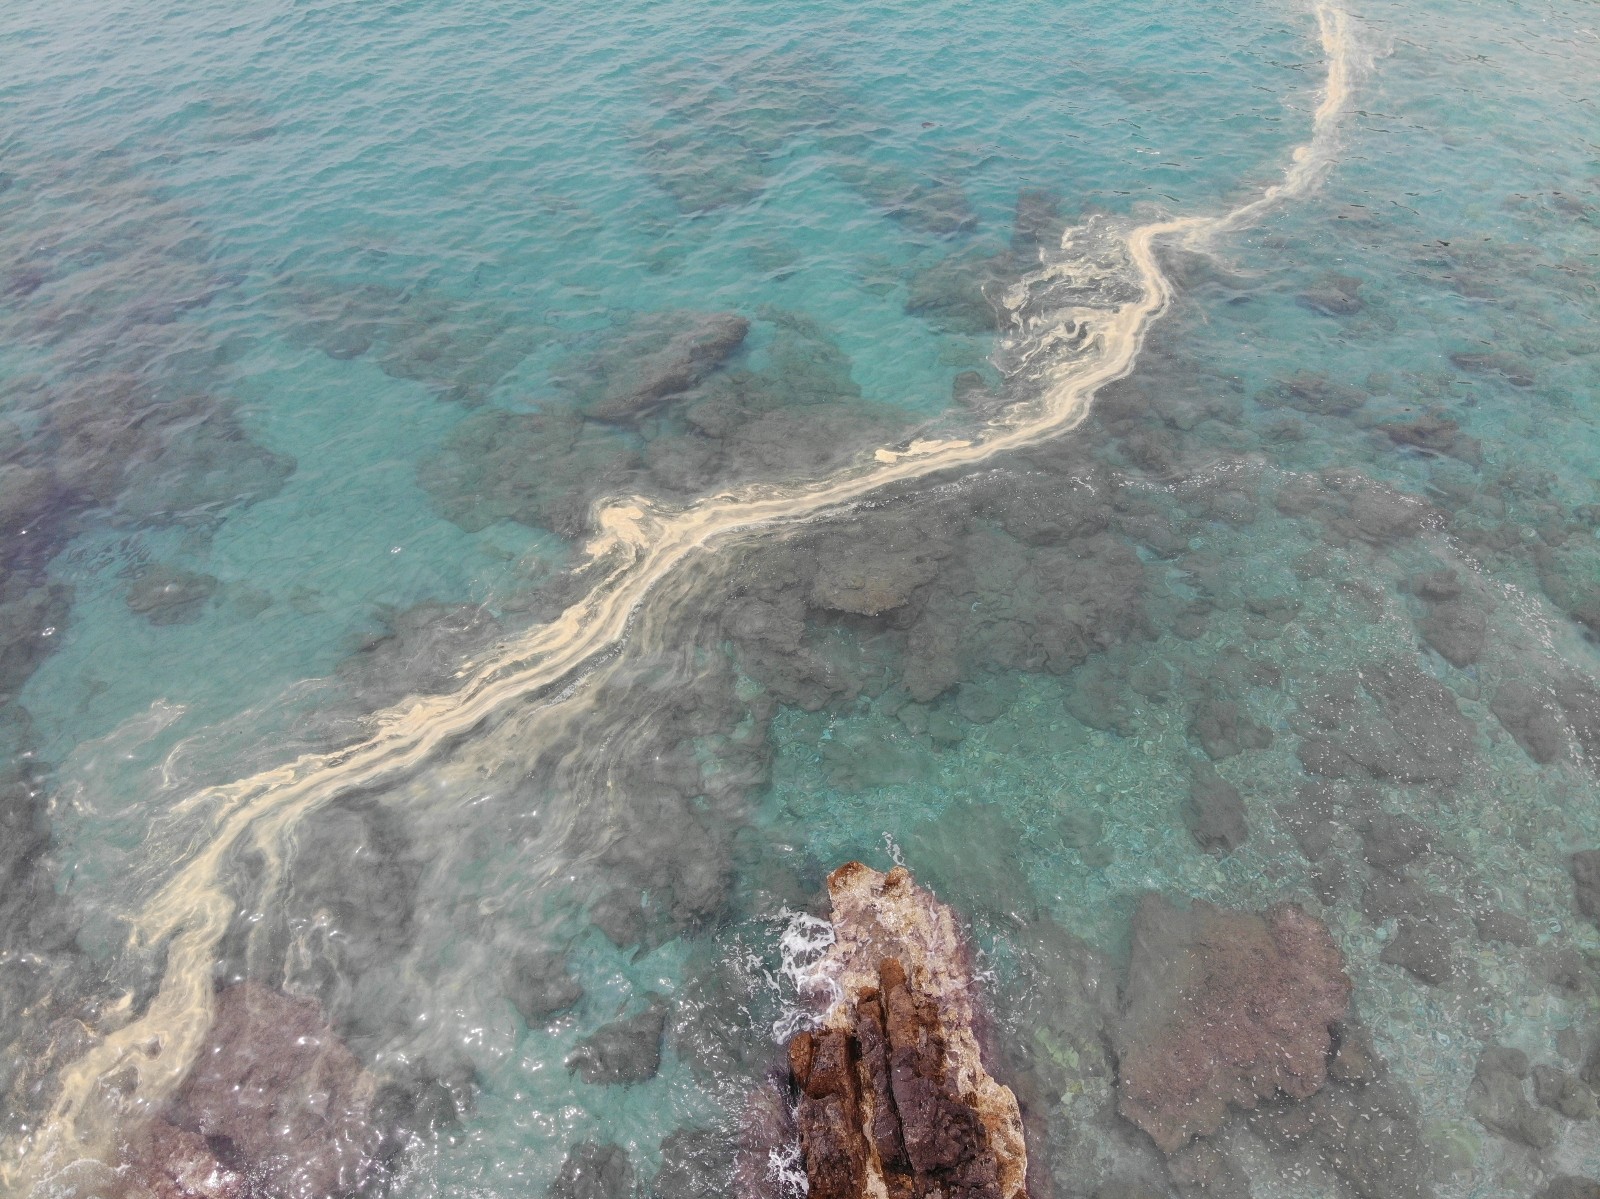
point(1214, 814)
point(539, 985)
point(1223, 1008)
point(274, 1084)
point(1586, 882)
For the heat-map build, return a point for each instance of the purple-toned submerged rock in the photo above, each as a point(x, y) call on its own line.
point(274, 1106)
point(1224, 1008)
point(894, 1096)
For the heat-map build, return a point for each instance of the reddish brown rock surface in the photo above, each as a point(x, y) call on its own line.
point(894, 1098)
point(1224, 1008)
point(166, 1162)
point(274, 1106)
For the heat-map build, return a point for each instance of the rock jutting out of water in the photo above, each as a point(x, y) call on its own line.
point(894, 1096)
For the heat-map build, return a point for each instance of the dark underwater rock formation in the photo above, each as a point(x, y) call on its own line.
point(1457, 631)
point(418, 651)
point(694, 1162)
point(1333, 295)
point(165, 594)
point(1223, 1008)
point(540, 986)
point(539, 468)
point(1533, 717)
point(459, 349)
point(1353, 508)
point(1362, 1125)
point(626, 1050)
point(163, 1161)
point(1514, 370)
point(1571, 1186)
point(1422, 947)
point(868, 573)
point(960, 293)
point(1434, 433)
point(1314, 394)
point(32, 610)
point(663, 355)
point(1562, 1092)
point(1408, 729)
point(1498, 1100)
point(894, 1096)
point(594, 1171)
point(1214, 814)
point(1224, 731)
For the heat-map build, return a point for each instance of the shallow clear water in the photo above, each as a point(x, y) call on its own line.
point(311, 315)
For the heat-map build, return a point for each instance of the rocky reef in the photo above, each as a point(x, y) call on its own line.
point(894, 1098)
point(275, 1105)
point(1224, 1008)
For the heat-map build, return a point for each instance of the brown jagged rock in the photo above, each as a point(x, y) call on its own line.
point(895, 1099)
point(831, 1137)
point(1224, 1007)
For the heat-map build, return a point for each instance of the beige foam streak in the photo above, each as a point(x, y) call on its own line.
point(638, 545)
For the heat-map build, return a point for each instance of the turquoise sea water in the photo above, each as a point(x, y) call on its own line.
point(306, 311)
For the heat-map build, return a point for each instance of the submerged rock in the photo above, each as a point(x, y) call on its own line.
point(1224, 731)
point(290, 1102)
point(594, 1171)
point(895, 1098)
point(162, 1161)
point(539, 468)
point(868, 573)
point(1223, 1008)
point(540, 985)
point(694, 1162)
point(1432, 434)
point(1456, 630)
point(1572, 1097)
point(1333, 295)
point(1499, 1101)
point(1586, 882)
point(1366, 1130)
point(625, 1051)
point(168, 595)
point(664, 355)
point(1421, 947)
point(1533, 717)
point(1571, 1186)
point(1412, 731)
point(959, 294)
point(1215, 813)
